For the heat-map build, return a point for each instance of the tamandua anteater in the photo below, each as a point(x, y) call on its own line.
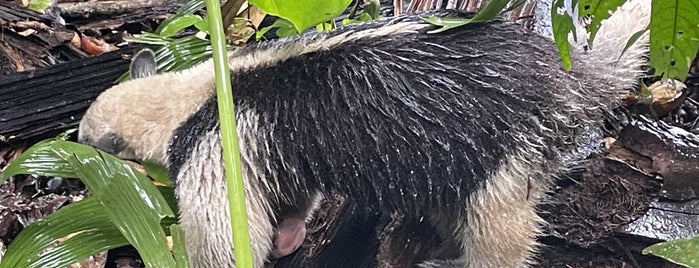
point(462, 129)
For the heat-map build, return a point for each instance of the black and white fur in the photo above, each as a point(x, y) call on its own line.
point(462, 129)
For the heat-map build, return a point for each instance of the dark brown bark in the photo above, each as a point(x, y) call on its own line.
point(44, 102)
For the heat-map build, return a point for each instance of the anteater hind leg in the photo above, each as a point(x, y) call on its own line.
point(499, 223)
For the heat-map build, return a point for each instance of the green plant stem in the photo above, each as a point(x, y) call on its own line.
point(229, 139)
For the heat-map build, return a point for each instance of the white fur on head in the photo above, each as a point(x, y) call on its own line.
point(144, 113)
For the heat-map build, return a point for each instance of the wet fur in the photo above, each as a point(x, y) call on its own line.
point(463, 129)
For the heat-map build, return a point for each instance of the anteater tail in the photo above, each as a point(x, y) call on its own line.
point(621, 73)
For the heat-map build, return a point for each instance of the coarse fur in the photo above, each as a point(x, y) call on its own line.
point(142, 124)
point(463, 128)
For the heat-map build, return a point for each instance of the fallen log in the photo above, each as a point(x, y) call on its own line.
point(41, 103)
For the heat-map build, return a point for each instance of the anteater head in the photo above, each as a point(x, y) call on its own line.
point(137, 118)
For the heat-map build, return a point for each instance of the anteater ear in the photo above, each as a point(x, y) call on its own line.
point(143, 64)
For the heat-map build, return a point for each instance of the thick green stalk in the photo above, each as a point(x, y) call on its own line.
point(229, 138)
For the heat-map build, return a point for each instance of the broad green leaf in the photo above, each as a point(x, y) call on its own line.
point(129, 199)
point(39, 5)
point(681, 251)
point(324, 27)
point(180, 23)
point(562, 25)
point(373, 9)
point(488, 12)
point(40, 159)
point(158, 172)
point(168, 194)
point(189, 8)
point(284, 29)
point(446, 23)
point(90, 232)
point(674, 36)
point(598, 10)
point(202, 25)
point(303, 14)
point(178, 246)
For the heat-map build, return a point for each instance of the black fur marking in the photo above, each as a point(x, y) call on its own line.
point(190, 134)
point(110, 143)
point(410, 121)
point(407, 123)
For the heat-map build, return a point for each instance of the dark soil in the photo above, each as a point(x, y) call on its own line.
point(588, 208)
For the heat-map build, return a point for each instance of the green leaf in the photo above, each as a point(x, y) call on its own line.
point(128, 198)
point(562, 25)
point(229, 139)
point(681, 251)
point(168, 193)
point(490, 11)
point(188, 8)
point(180, 23)
point(363, 17)
point(65, 135)
point(324, 27)
point(39, 5)
point(174, 54)
point(39, 159)
point(158, 172)
point(38, 245)
point(203, 26)
point(178, 246)
point(634, 37)
point(260, 33)
point(372, 9)
point(674, 36)
point(598, 10)
point(446, 23)
point(284, 29)
point(303, 14)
